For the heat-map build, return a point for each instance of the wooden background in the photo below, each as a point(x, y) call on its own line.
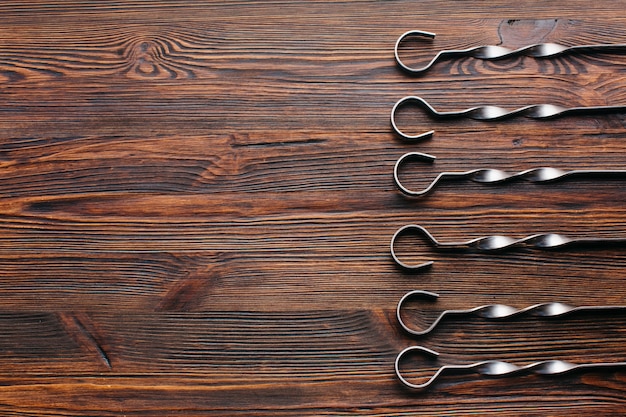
point(196, 206)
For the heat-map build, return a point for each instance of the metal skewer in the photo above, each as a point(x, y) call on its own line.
point(494, 243)
point(492, 311)
point(493, 52)
point(492, 113)
point(496, 368)
point(493, 176)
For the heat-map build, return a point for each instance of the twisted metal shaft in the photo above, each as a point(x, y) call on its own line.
point(493, 52)
point(492, 176)
point(495, 243)
point(534, 111)
point(492, 113)
point(494, 368)
point(492, 311)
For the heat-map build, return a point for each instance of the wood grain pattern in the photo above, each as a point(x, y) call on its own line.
point(196, 206)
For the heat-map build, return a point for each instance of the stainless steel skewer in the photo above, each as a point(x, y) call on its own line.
point(496, 368)
point(492, 311)
point(541, 241)
point(493, 176)
point(492, 113)
point(493, 52)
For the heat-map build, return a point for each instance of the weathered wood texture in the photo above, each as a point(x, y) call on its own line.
point(196, 206)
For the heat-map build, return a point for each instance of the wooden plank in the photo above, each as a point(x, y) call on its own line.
point(309, 362)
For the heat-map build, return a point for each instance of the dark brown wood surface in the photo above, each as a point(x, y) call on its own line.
point(196, 206)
